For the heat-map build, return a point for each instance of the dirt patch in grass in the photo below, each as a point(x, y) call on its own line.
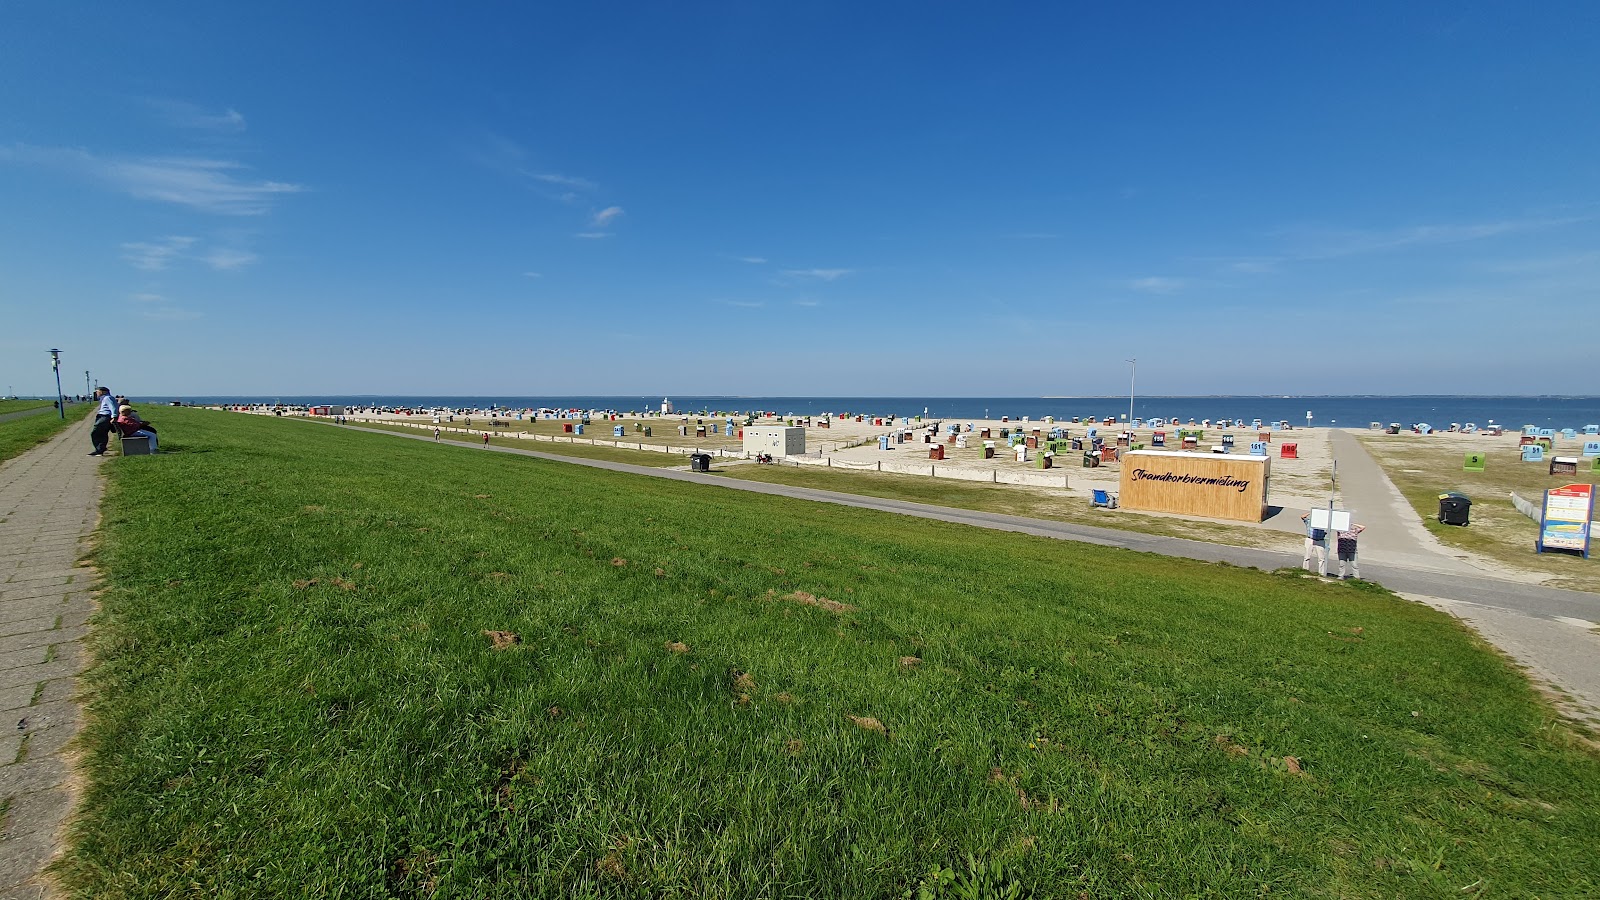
point(502, 640)
point(808, 599)
point(868, 723)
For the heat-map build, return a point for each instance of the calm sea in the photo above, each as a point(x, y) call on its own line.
point(1439, 411)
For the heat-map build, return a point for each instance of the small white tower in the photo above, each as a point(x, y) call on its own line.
point(666, 407)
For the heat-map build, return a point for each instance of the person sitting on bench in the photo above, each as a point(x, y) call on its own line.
point(130, 425)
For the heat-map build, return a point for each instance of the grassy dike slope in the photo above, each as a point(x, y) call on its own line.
point(295, 697)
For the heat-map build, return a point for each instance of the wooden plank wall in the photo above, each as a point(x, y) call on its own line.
point(1211, 485)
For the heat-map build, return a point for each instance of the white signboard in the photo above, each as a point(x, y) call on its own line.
point(1341, 519)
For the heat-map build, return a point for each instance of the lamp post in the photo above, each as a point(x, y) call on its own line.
point(87, 390)
point(1134, 374)
point(55, 363)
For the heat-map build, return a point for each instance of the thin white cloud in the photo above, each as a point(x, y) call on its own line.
point(225, 259)
point(192, 116)
point(744, 304)
point(603, 218)
point(1031, 236)
point(162, 253)
point(532, 274)
point(818, 274)
point(154, 256)
point(170, 314)
point(592, 235)
point(1157, 284)
point(207, 185)
point(807, 302)
point(753, 260)
point(147, 298)
point(1335, 243)
point(568, 181)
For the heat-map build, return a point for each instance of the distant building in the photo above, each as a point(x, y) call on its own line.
point(666, 407)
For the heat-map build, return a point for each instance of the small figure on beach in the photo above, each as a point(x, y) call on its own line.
point(1346, 541)
point(436, 434)
point(486, 438)
point(1317, 541)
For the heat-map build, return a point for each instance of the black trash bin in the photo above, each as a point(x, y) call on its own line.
point(1454, 508)
point(699, 462)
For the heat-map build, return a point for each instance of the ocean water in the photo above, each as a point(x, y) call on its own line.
point(1343, 412)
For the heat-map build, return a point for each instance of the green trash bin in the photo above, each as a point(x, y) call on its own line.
point(1091, 460)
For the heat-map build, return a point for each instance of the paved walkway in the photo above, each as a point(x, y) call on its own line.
point(49, 507)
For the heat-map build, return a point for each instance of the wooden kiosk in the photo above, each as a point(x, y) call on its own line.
point(1213, 485)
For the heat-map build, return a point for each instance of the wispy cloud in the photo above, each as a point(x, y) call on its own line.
point(170, 314)
point(532, 274)
point(162, 253)
point(744, 304)
point(1031, 236)
point(592, 235)
point(227, 258)
point(1334, 243)
point(155, 306)
point(603, 218)
point(818, 274)
point(153, 256)
point(567, 181)
point(1157, 284)
point(753, 260)
point(807, 301)
point(208, 185)
point(192, 116)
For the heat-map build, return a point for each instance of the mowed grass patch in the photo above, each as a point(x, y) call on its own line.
point(18, 436)
point(653, 458)
point(335, 664)
point(1423, 468)
point(1053, 504)
point(11, 406)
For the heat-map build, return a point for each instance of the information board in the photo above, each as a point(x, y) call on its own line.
point(1564, 524)
point(1341, 519)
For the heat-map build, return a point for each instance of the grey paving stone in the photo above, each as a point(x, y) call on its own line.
point(58, 689)
point(43, 638)
point(21, 658)
point(39, 773)
point(22, 610)
point(18, 697)
point(10, 746)
point(60, 667)
point(25, 626)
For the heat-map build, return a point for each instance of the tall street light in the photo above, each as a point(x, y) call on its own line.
point(1133, 375)
point(87, 390)
point(55, 363)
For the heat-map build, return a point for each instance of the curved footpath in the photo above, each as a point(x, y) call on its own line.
point(49, 509)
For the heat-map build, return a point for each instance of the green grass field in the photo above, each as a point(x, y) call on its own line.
point(1421, 469)
point(11, 406)
point(17, 436)
point(713, 694)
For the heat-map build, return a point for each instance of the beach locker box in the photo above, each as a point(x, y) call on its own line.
point(779, 440)
point(1216, 486)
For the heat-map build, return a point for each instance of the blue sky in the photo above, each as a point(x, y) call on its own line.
point(800, 198)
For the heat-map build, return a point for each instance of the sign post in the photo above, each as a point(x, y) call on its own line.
point(1564, 523)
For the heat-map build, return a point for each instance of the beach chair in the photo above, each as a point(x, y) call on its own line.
point(1104, 499)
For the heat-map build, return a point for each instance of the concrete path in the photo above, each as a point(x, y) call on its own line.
point(49, 508)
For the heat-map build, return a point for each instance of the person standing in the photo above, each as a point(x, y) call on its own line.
point(104, 415)
point(436, 433)
point(1347, 550)
point(1316, 541)
point(486, 438)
